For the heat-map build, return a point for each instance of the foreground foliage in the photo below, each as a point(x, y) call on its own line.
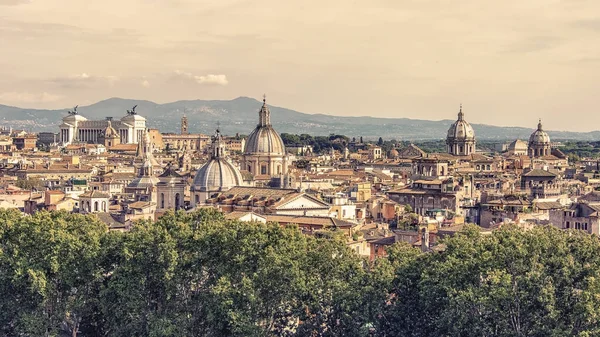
point(197, 274)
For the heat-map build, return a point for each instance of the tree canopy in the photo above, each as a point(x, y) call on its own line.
point(198, 274)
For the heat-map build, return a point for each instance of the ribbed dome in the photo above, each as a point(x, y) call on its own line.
point(264, 139)
point(217, 175)
point(461, 129)
point(143, 182)
point(539, 136)
point(110, 132)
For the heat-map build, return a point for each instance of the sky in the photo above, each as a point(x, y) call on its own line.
point(508, 62)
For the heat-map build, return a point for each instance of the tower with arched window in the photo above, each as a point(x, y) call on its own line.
point(170, 190)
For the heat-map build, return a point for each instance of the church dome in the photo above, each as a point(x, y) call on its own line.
point(539, 136)
point(110, 132)
point(219, 174)
point(264, 139)
point(517, 145)
point(461, 129)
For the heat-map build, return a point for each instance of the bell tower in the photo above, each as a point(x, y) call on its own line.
point(184, 125)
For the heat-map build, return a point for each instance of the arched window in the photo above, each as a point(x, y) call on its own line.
point(162, 200)
point(95, 206)
point(104, 206)
point(197, 199)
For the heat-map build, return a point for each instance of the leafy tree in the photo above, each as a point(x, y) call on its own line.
point(30, 183)
point(50, 275)
point(541, 282)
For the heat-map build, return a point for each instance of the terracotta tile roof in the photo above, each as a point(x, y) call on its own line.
point(259, 192)
point(140, 204)
point(94, 194)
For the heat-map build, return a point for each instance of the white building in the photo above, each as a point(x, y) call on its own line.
point(75, 127)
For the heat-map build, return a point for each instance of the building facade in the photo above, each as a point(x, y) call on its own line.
point(76, 128)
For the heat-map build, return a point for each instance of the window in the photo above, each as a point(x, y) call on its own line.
point(162, 200)
point(263, 169)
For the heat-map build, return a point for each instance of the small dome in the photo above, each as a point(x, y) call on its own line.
point(539, 136)
point(461, 129)
point(217, 175)
point(517, 145)
point(143, 182)
point(110, 132)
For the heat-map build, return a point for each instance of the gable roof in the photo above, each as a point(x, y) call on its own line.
point(283, 202)
point(539, 173)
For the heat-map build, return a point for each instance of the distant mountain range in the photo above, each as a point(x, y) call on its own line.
point(240, 115)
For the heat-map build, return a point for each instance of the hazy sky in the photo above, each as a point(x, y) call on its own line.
point(509, 62)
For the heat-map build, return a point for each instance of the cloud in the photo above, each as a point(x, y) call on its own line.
point(145, 84)
point(534, 44)
point(202, 79)
point(14, 2)
point(27, 97)
point(591, 24)
point(84, 80)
